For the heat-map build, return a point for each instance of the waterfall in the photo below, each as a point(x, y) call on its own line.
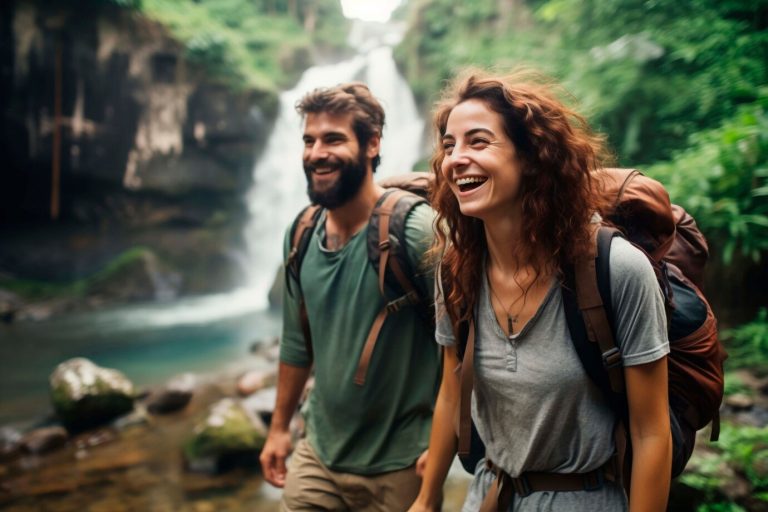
point(279, 186)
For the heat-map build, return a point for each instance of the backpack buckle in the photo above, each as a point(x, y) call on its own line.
point(406, 300)
point(612, 358)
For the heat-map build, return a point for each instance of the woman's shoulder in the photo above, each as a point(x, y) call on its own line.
point(627, 260)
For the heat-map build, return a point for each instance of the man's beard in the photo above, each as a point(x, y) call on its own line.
point(351, 176)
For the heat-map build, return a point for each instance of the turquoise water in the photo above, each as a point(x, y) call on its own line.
point(149, 343)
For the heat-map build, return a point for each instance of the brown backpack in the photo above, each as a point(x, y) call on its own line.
point(677, 250)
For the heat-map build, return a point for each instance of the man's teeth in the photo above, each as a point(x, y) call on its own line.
point(469, 180)
point(324, 170)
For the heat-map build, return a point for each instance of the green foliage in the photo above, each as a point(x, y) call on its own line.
point(233, 40)
point(445, 36)
point(748, 344)
point(720, 507)
point(722, 180)
point(649, 73)
point(743, 449)
point(734, 384)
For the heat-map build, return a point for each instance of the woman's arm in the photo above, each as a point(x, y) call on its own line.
point(649, 429)
point(442, 439)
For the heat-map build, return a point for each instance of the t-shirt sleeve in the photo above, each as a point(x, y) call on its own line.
point(418, 240)
point(443, 329)
point(638, 305)
point(293, 350)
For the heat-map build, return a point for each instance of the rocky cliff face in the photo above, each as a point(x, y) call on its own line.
point(105, 125)
point(109, 99)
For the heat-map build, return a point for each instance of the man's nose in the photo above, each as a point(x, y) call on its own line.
point(317, 151)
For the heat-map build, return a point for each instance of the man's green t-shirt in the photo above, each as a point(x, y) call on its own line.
point(383, 425)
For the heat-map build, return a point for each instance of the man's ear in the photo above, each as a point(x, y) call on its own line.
point(374, 146)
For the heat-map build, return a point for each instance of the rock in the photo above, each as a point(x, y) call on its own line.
point(85, 395)
point(44, 439)
point(254, 380)
point(10, 443)
point(228, 437)
point(95, 438)
point(10, 304)
point(176, 395)
point(739, 402)
point(136, 274)
point(269, 349)
point(262, 404)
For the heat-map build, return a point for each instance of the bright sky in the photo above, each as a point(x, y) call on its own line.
point(369, 10)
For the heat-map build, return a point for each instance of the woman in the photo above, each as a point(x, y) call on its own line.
point(515, 199)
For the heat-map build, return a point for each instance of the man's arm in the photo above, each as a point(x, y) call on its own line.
point(290, 384)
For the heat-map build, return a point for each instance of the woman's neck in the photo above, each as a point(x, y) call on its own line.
point(509, 252)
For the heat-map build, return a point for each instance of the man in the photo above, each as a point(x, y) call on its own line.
point(363, 440)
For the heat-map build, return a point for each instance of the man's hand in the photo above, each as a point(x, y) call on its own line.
point(273, 455)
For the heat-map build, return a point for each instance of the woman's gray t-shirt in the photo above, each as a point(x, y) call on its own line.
point(534, 405)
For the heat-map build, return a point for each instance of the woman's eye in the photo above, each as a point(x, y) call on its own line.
point(447, 148)
point(479, 142)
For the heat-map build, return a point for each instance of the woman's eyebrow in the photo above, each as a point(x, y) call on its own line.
point(475, 131)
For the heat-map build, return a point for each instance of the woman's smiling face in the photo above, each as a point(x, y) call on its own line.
point(480, 162)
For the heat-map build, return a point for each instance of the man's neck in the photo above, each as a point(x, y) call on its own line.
point(346, 220)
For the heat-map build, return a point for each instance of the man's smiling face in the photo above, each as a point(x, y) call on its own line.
point(334, 164)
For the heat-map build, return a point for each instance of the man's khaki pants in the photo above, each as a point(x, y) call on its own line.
point(310, 485)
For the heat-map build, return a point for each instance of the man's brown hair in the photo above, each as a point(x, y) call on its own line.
point(354, 98)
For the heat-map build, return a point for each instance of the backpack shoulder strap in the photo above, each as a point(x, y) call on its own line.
point(383, 250)
point(589, 314)
point(387, 243)
point(301, 233)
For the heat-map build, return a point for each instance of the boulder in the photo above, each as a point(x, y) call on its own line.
point(229, 436)
point(45, 439)
point(10, 443)
point(255, 380)
point(10, 304)
point(85, 395)
point(174, 396)
point(262, 404)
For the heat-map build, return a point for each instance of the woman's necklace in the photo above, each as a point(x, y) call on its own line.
point(511, 319)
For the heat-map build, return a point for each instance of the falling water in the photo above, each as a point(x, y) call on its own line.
point(279, 185)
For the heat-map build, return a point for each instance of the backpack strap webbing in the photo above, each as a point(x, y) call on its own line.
point(588, 313)
point(593, 309)
point(301, 232)
point(383, 213)
point(466, 381)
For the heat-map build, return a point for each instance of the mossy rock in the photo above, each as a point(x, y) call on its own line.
point(85, 395)
point(228, 436)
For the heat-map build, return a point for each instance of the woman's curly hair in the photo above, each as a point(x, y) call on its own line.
point(559, 156)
